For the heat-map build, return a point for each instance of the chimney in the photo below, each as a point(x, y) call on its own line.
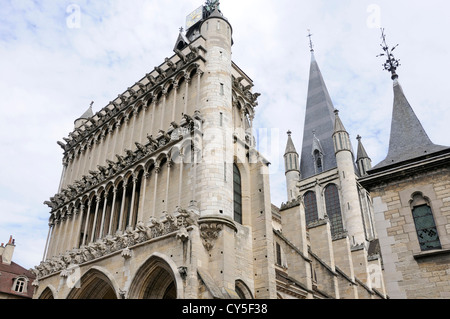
point(7, 251)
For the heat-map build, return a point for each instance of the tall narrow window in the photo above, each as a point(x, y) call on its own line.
point(311, 212)
point(318, 161)
point(237, 189)
point(278, 252)
point(334, 209)
point(427, 233)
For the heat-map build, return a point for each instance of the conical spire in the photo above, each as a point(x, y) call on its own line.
point(290, 147)
point(408, 138)
point(88, 114)
point(319, 119)
point(363, 161)
point(362, 154)
point(338, 126)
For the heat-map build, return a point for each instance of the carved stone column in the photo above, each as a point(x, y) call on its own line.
point(94, 225)
point(157, 171)
point(174, 106)
point(188, 80)
point(88, 212)
point(113, 206)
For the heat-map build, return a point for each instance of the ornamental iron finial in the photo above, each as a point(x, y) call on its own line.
point(311, 46)
point(391, 63)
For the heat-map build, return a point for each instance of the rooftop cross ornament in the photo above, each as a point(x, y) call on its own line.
point(310, 40)
point(391, 63)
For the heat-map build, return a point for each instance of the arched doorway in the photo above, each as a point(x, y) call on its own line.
point(47, 294)
point(154, 280)
point(94, 285)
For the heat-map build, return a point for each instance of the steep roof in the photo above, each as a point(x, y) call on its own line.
point(319, 123)
point(290, 147)
point(9, 273)
point(408, 139)
point(88, 114)
point(361, 150)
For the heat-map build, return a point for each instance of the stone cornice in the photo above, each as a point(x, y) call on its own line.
point(170, 225)
point(169, 71)
point(420, 166)
point(132, 159)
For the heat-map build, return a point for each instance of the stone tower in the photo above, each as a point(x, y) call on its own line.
point(338, 211)
point(163, 194)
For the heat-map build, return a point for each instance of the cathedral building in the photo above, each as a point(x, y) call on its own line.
point(163, 194)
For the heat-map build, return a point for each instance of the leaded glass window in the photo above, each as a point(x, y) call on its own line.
point(237, 189)
point(426, 228)
point(311, 212)
point(333, 206)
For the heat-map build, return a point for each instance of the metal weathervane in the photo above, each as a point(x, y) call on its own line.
point(391, 63)
point(310, 40)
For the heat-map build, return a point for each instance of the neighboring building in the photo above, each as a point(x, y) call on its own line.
point(163, 195)
point(15, 281)
point(411, 197)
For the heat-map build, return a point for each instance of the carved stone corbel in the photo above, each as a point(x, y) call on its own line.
point(209, 232)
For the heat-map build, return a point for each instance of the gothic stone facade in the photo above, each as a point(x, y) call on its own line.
point(163, 195)
point(146, 206)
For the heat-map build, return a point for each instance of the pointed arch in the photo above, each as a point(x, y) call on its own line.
point(97, 283)
point(424, 222)
point(242, 290)
point(48, 293)
point(333, 206)
point(311, 211)
point(157, 278)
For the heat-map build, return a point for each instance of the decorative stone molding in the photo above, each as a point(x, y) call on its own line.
point(126, 253)
point(107, 173)
point(175, 223)
point(209, 233)
point(211, 227)
point(132, 97)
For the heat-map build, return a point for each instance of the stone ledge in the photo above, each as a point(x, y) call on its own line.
point(431, 253)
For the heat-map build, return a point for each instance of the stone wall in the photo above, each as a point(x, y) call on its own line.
point(409, 272)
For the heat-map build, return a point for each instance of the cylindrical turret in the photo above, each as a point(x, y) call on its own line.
point(292, 168)
point(351, 210)
point(215, 170)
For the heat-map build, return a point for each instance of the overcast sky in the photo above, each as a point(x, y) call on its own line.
point(58, 56)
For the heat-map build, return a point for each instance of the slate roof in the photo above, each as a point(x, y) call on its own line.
point(361, 150)
point(87, 115)
point(319, 121)
point(290, 147)
point(9, 273)
point(408, 139)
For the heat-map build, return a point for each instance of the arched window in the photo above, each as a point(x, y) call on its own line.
point(334, 209)
point(427, 233)
point(318, 161)
point(20, 285)
point(237, 190)
point(311, 212)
